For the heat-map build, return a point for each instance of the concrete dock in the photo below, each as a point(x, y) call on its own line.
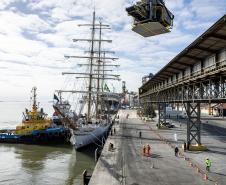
point(126, 165)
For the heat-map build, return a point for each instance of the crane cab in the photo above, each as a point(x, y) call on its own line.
point(151, 17)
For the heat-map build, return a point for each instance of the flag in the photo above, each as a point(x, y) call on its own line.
point(106, 89)
point(56, 98)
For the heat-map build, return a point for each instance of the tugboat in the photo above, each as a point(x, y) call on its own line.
point(36, 128)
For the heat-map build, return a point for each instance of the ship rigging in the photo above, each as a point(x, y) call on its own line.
point(95, 122)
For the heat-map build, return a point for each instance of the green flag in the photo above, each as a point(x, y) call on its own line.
point(106, 89)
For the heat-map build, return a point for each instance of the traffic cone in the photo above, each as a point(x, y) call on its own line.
point(205, 177)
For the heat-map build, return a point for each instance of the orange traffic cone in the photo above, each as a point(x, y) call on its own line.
point(205, 177)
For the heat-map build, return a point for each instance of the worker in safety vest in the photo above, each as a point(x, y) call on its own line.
point(144, 149)
point(208, 164)
point(148, 152)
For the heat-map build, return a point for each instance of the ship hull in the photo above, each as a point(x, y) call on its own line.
point(53, 136)
point(83, 139)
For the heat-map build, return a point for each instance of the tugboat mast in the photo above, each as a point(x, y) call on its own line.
point(34, 106)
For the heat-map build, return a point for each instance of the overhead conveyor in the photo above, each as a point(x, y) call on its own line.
point(151, 17)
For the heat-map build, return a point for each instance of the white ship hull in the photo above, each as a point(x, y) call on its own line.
point(89, 135)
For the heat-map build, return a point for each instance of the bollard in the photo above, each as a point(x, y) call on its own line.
point(110, 146)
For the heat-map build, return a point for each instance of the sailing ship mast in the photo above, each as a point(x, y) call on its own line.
point(94, 61)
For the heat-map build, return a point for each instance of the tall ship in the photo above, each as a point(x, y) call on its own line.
point(96, 104)
point(36, 128)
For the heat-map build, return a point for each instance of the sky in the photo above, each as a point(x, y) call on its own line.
point(36, 34)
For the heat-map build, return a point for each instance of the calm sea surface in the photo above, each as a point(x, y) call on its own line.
point(41, 165)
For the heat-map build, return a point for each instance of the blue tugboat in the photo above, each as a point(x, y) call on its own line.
point(37, 128)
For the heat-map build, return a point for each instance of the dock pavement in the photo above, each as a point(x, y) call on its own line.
point(126, 165)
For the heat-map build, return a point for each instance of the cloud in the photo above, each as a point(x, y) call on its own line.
point(36, 34)
point(206, 9)
point(5, 3)
point(16, 23)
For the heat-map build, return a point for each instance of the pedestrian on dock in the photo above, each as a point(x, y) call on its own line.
point(114, 130)
point(111, 147)
point(185, 147)
point(148, 150)
point(208, 164)
point(140, 134)
point(144, 150)
point(176, 151)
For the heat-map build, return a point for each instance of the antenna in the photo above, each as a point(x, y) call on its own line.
point(93, 4)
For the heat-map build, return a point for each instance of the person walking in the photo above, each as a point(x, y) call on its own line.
point(148, 150)
point(114, 130)
point(176, 151)
point(185, 147)
point(208, 164)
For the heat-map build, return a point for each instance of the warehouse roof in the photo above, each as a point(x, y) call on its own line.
point(213, 40)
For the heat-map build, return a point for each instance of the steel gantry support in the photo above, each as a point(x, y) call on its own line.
point(162, 114)
point(197, 75)
point(191, 94)
point(193, 123)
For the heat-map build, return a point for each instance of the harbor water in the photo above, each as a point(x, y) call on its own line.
point(41, 165)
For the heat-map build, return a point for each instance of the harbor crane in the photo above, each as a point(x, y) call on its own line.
point(151, 17)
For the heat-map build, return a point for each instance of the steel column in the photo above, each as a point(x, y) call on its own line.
point(162, 113)
point(193, 123)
